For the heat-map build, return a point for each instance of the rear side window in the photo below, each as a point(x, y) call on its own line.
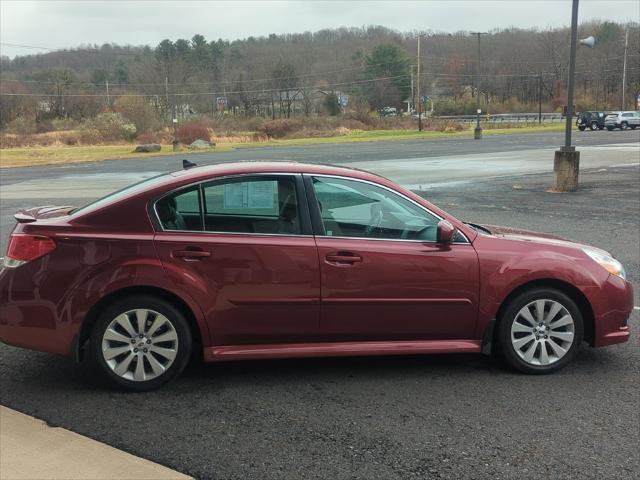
point(261, 204)
point(180, 211)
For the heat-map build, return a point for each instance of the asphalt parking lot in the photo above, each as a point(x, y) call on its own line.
point(441, 416)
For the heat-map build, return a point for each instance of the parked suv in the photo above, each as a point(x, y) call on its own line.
point(622, 120)
point(590, 120)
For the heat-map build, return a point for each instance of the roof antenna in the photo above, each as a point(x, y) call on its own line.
point(186, 164)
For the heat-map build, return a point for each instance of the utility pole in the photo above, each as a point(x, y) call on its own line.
point(106, 82)
point(477, 133)
point(166, 95)
point(624, 67)
point(540, 97)
point(566, 164)
point(174, 120)
point(418, 88)
point(413, 96)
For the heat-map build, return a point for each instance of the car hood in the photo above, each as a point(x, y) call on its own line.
point(519, 234)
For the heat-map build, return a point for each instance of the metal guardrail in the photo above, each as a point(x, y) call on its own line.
point(505, 117)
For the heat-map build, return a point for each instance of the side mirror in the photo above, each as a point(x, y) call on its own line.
point(446, 232)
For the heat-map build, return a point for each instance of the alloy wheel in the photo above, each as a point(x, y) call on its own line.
point(140, 345)
point(542, 332)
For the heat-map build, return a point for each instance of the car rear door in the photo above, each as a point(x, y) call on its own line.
point(384, 277)
point(243, 248)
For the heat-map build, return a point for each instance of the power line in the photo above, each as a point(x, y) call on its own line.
point(183, 94)
point(275, 90)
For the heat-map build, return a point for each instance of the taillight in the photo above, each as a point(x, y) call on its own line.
point(25, 248)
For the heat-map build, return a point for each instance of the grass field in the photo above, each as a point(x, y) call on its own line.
point(54, 155)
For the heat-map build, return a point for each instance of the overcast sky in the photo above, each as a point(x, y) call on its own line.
point(60, 24)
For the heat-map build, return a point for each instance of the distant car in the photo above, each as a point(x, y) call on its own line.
point(622, 120)
point(590, 120)
point(273, 260)
point(389, 112)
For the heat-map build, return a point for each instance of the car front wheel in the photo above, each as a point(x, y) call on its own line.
point(624, 126)
point(140, 342)
point(594, 126)
point(540, 331)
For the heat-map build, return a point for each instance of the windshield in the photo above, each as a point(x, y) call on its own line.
point(120, 194)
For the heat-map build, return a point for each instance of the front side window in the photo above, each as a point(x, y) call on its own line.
point(350, 208)
point(261, 204)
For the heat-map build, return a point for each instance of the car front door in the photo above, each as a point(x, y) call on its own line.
point(242, 248)
point(384, 276)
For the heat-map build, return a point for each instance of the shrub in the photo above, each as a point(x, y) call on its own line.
point(59, 124)
point(138, 111)
point(147, 137)
point(331, 104)
point(190, 132)
point(281, 127)
point(90, 136)
point(111, 126)
point(21, 126)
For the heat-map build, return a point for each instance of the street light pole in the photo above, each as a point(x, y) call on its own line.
point(624, 67)
point(566, 163)
point(477, 133)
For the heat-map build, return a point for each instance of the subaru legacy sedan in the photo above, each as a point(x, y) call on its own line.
point(273, 260)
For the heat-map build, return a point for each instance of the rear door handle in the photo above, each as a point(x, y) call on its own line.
point(190, 254)
point(343, 258)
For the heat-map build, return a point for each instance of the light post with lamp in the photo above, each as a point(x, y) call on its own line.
point(566, 162)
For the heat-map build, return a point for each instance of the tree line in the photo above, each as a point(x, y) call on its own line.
point(307, 73)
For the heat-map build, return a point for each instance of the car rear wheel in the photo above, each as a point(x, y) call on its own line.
point(140, 342)
point(540, 331)
point(610, 129)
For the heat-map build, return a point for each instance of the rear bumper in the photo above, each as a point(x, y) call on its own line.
point(31, 317)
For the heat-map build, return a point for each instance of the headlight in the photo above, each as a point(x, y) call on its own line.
point(609, 263)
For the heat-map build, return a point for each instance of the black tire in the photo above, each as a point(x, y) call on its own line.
point(610, 129)
point(593, 126)
point(581, 128)
point(136, 302)
point(624, 126)
point(633, 127)
point(510, 315)
point(601, 127)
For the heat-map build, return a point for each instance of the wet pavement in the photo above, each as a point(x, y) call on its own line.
point(438, 416)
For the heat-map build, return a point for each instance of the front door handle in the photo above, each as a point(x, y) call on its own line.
point(343, 258)
point(190, 254)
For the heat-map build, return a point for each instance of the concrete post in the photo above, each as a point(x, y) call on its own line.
point(566, 165)
point(477, 133)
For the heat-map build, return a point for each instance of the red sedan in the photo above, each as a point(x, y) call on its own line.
point(273, 260)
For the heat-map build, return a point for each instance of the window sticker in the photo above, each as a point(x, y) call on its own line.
point(234, 196)
point(262, 194)
point(250, 195)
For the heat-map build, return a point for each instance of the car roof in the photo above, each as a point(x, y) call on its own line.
point(250, 167)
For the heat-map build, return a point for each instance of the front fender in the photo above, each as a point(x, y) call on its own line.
point(506, 265)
